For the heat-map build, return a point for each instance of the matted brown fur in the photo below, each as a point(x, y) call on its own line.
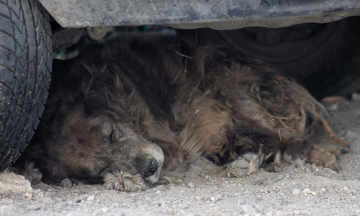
point(113, 113)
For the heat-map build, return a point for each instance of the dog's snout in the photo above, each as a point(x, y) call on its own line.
point(150, 167)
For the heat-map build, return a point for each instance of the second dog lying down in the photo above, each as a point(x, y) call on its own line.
point(128, 116)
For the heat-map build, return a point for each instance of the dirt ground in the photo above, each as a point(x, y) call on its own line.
point(308, 190)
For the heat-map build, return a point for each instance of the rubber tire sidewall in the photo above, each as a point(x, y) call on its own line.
point(25, 74)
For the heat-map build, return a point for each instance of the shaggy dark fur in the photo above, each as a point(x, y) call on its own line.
point(123, 115)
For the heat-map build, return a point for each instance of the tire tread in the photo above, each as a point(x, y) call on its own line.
point(22, 95)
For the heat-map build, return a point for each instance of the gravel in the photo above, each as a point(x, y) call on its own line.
point(307, 190)
point(66, 183)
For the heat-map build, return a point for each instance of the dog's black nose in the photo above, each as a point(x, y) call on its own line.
point(150, 167)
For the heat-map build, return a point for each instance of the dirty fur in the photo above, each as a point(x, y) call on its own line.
point(112, 110)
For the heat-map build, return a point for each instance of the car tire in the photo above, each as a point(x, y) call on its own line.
point(25, 74)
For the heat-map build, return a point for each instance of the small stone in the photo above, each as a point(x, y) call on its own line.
point(16, 183)
point(295, 191)
point(28, 195)
point(259, 181)
point(191, 185)
point(296, 212)
point(158, 192)
point(67, 183)
point(248, 209)
point(269, 213)
point(34, 207)
point(104, 210)
point(346, 189)
point(216, 198)
point(307, 191)
point(345, 150)
point(279, 213)
point(142, 208)
point(258, 197)
point(116, 205)
point(162, 204)
point(198, 198)
point(91, 198)
point(47, 200)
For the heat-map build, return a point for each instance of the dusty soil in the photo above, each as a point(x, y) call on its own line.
point(308, 190)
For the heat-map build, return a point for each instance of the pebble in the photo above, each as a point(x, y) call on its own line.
point(67, 183)
point(307, 191)
point(116, 205)
point(345, 150)
point(216, 198)
point(191, 185)
point(259, 181)
point(269, 213)
point(16, 183)
point(296, 212)
point(28, 195)
point(258, 197)
point(104, 210)
point(248, 209)
point(279, 213)
point(295, 191)
point(47, 200)
point(91, 198)
point(34, 207)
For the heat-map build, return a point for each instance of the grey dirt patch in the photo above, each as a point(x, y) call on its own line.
point(307, 190)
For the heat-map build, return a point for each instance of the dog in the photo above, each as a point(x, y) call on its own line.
point(128, 116)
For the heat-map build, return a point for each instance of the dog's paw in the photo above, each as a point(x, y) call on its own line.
point(322, 157)
point(283, 159)
point(31, 173)
point(125, 182)
point(243, 166)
